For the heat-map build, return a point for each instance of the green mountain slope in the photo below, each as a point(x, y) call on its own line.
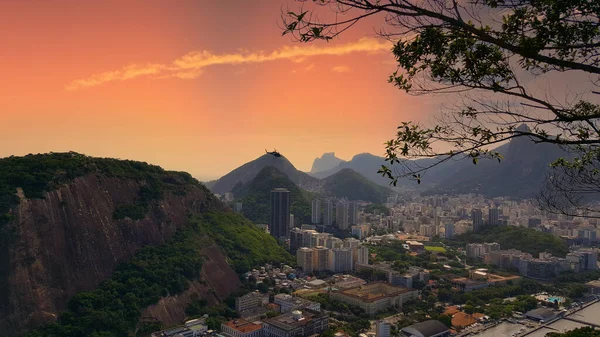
point(37, 174)
point(113, 309)
point(524, 239)
point(132, 231)
point(255, 196)
point(350, 184)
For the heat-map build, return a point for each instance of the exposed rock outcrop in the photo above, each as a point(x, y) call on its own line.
point(69, 242)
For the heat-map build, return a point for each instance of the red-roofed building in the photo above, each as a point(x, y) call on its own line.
point(242, 328)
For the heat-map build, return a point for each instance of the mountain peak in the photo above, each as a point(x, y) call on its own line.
point(248, 171)
point(326, 162)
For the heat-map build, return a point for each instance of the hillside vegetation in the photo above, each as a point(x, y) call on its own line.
point(246, 245)
point(510, 237)
point(37, 174)
point(353, 186)
point(256, 196)
point(113, 309)
point(41, 173)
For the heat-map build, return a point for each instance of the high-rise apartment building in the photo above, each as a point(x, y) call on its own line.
point(493, 216)
point(280, 213)
point(328, 213)
point(341, 215)
point(449, 228)
point(477, 218)
point(340, 260)
point(363, 255)
point(320, 258)
point(352, 213)
point(296, 239)
point(316, 212)
point(304, 257)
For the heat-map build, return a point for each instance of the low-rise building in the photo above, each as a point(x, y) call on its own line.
point(191, 328)
point(250, 301)
point(242, 328)
point(414, 246)
point(289, 303)
point(593, 287)
point(541, 314)
point(430, 328)
point(375, 297)
point(296, 324)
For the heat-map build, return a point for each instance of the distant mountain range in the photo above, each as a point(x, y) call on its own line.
point(365, 163)
point(351, 185)
point(267, 172)
point(326, 162)
point(520, 174)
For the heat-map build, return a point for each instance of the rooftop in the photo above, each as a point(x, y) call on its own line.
point(541, 313)
point(243, 325)
point(288, 322)
point(427, 328)
point(593, 284)
point(374, 291)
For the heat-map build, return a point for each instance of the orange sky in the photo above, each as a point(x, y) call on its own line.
point(200, 86)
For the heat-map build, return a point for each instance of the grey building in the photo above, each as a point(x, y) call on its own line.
point(477, 218)
point(430, 328)
point(280, 213)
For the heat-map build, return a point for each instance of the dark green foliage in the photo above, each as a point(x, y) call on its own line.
point(256, 196)
point(38, 174)
point(145, 329)
point(113, 309)
point(510, 237)
point(217, 314)
point(389, 252)
point(350, 184)
point(245, 244)
point(377, 209)
point(581, 332)
point(482, 297)
point(447, 320)
point(330, 304)
point(135, 211)
point(154, 272)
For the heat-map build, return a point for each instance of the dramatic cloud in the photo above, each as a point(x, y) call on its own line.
point(192, 64)
point(340, 69)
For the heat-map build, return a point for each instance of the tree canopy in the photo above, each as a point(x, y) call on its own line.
point(488, 52)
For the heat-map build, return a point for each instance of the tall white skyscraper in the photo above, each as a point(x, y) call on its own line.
point(316, 211)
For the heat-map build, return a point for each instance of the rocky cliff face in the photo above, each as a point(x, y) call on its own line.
point(217, 282)
point(69, 242)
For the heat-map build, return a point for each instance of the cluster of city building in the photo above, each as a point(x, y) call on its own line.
point(446, 216)
point(319, 252)
point(543, 267)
